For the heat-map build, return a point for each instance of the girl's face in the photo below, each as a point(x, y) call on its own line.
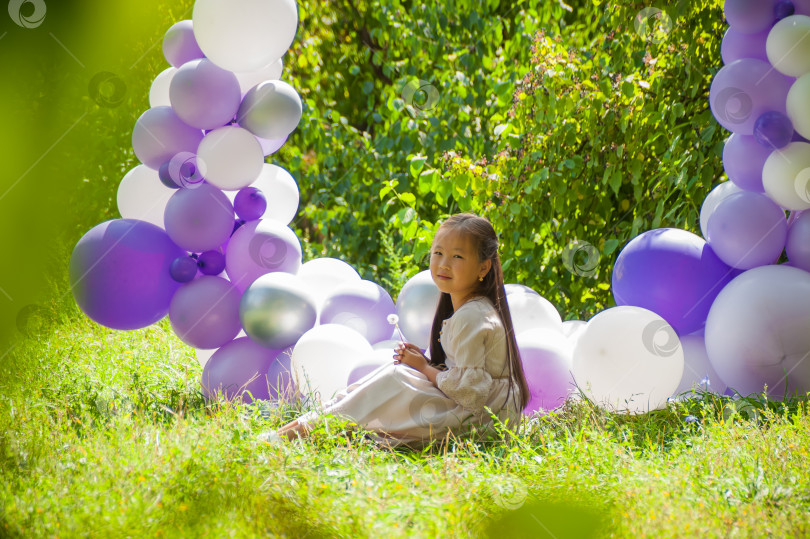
point(454, 265)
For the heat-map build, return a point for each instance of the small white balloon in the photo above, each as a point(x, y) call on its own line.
point(159, 92)
point(786, 176)
point(249, 79)
point(533, 311)
point(712, 200)
point(245, 35)
point(281, 191)
point(628, 359)
point(324, 357)
point(270, 110)
point(141, 195)
point(232, 156)
point(788, 45)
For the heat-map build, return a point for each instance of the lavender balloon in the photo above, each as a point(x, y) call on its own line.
point(737, 45)
point(179, 44)
point(204, 95)
point(747, 230)
point(671, 272)
point(743, 160)
point(546, 358)
point(205, 312)
point(361, 305)
point(250, 203)
point(745, 89)
point(240, 368)
point(199, 219)
point(260, 247)
point(797, 246)
point(160, 134)
point(773, 130)
point(120, 273)
point(750, 16)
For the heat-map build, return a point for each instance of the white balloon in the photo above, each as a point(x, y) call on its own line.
point(280, 190)
point(370, 363)
point(712, 200)
point(141, 195)
point(788, 45)
point(249, 79)
point(232, 157)
point(628, 359)
point(416, 308)
point(758, 331)
point(786, 176)
point(159, 92)
point(324, 357)
point(571, 328)
point(270, 110)
point(797, 110)
point(244, 35)
point(322, 275)
point(697, 369)
point(533, 311)
point(514, 288)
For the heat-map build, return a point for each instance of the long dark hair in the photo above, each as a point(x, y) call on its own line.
point(485, 242)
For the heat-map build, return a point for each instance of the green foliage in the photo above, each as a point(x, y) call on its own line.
point(565, 126)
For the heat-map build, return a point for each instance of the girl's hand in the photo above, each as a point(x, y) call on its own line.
point(411, 355)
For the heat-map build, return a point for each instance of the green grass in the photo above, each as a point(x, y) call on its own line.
point(106, 434)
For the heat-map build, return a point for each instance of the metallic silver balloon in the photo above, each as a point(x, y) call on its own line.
point(270, 110)
point(416, 307)
point(276, 310)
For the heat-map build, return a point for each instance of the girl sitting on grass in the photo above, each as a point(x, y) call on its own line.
point(474, 361)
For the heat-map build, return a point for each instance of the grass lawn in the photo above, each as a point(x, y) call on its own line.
point(106, 434)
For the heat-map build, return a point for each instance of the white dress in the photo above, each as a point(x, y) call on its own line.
point(401, 406)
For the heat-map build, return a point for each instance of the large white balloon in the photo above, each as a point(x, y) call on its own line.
point(786, 176)
point(324, 357)
point(628, 359)
point(758, 331)
point(245, 35)
point(712, 200)
point(788, 45)
point(141, 195)
point(280, 190)
point(533, 311)
point(159, 92)
point(322, 275)
point(416, 307)
point(232, 157)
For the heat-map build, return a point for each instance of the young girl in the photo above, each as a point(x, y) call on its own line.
point(474, 360)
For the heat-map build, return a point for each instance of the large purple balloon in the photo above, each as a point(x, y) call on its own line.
point(737, 45)
point(361, 305)
point(242, 367)
point(260, 247)
point(204, 95)
point(743, 160)
point(205, 312)
point(747, 230)
point(797, 246)
point(750, 16)
point(160, 134)
point(673, 273)
point(200, 218)
point(120, 273)
point(745, 89)
point(180, 45)
point(546, 358)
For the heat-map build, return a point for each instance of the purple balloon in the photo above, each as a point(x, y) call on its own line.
point(205, 312)
point(199, 219)
point(250, 203)
point(260, 247)
point(361, 305)
point(747, 230)
point(160, 134)
point(204, 95)
point(743, 159)
point(180, 45)
point(745, 89)
point(797, 246)
point(673, 273)
point(750, 16)
point(183, 269)
point(546, 359)
point(782, 9)
point(211, 262)
point(239, 367)
point(737, 45)
point(773, 130)
point(120, 273)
